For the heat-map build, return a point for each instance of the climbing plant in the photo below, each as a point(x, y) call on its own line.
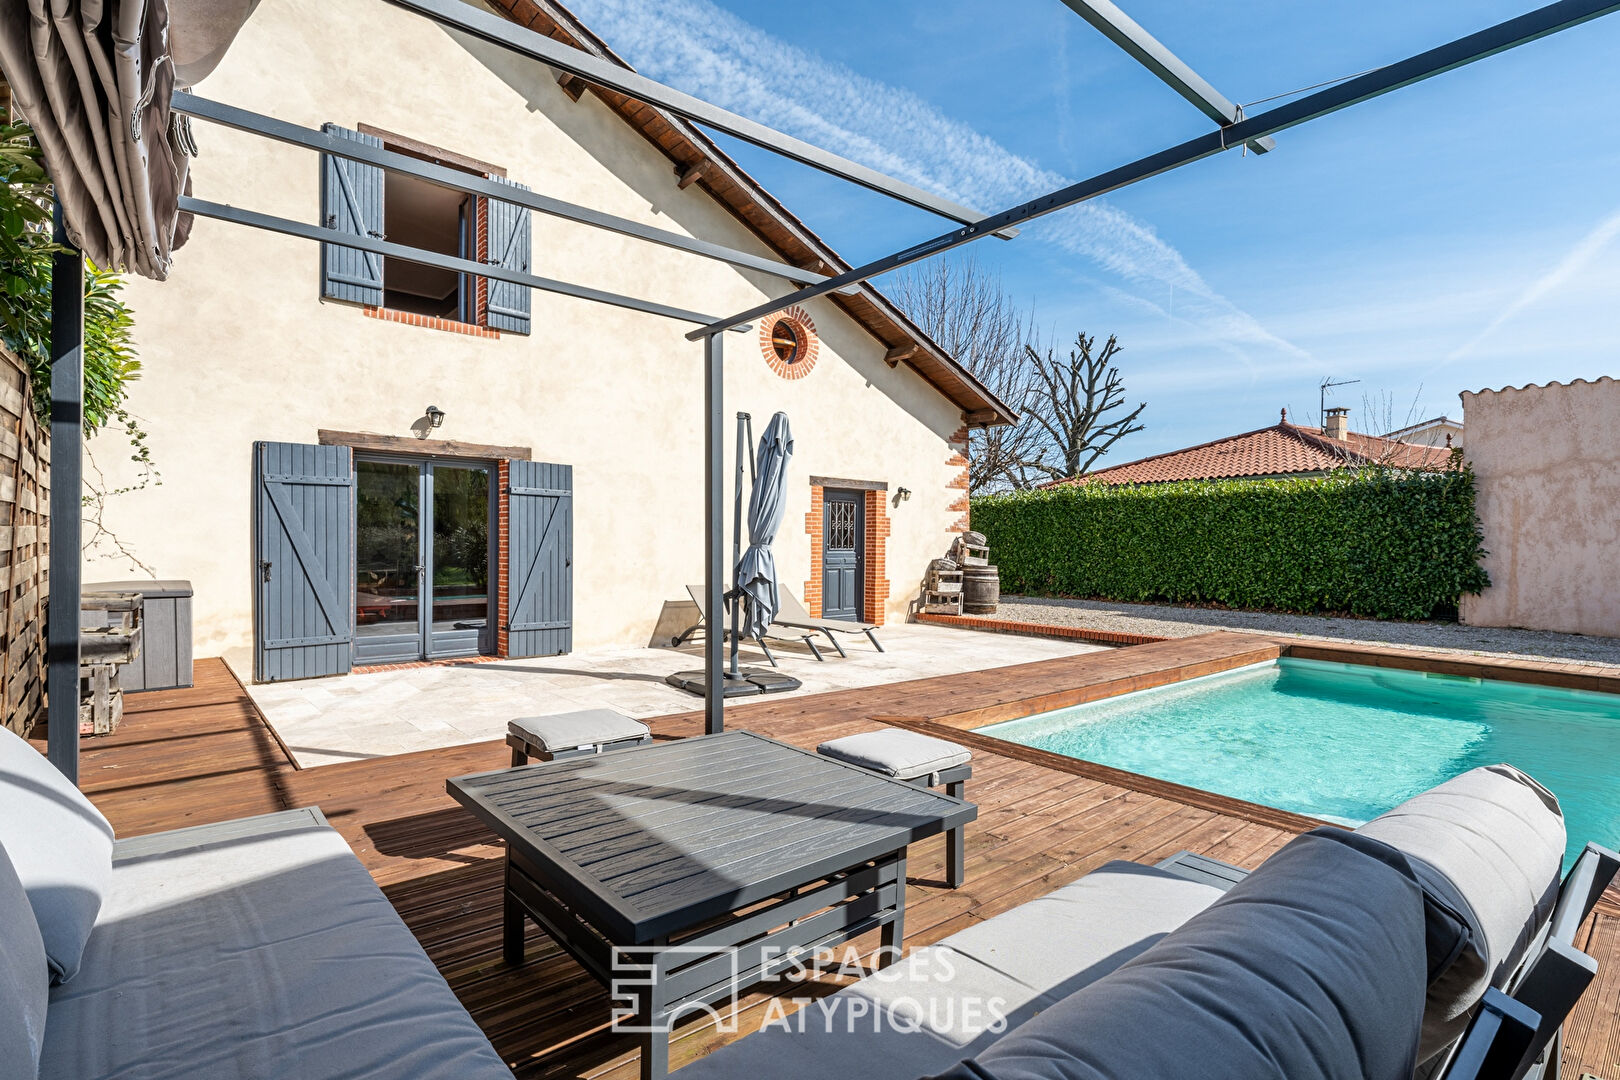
point(25, 290)
point(110, 364)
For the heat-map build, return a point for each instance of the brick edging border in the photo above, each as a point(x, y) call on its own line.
point(410, 665)
point(1029, 629)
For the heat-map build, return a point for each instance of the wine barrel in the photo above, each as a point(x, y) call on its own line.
point(981, 590)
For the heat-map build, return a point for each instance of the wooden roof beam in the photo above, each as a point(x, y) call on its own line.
point(571, 84)
point(691, 174)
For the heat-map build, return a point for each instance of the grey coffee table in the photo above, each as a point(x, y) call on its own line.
point(641, 863)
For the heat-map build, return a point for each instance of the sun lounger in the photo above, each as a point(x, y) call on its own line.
point(793, 614)
point(775, 632)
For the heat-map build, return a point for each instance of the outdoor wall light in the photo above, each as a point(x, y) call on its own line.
point(435, 416)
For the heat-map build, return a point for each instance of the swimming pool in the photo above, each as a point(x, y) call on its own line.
point(1345, 742)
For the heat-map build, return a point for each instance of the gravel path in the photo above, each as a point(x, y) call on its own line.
point(1167, 621)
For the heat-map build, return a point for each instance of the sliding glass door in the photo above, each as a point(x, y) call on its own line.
point(422, 560)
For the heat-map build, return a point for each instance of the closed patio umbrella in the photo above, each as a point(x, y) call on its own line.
point(755, 600)
point(756, 570)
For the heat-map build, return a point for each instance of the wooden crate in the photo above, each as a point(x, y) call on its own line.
point(109, 637)
point(942, 592)
point(101, 700)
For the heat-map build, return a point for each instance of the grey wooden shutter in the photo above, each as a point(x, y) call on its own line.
point(510, 247)
point(351, 202)
point(540, 559)
point(303, 557)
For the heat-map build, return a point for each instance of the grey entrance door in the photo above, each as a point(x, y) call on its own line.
point(843, 554)
point(421, 559)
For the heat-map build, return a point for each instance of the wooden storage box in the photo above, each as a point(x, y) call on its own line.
point(164, 662)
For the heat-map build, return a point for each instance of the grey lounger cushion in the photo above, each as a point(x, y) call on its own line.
point(60, 845)
point(571, 730)
point(25, 979)
point(792, 613)
point(1490, 843)
point(953, 999)
point(256, 948)
point(1313, 966)
point(904, 755)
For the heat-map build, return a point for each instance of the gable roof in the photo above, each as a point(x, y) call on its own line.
point(742, 195)
point(1282, 449)
point(1424, 425)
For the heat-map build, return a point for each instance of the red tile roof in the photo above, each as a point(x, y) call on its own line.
point(1280, 450)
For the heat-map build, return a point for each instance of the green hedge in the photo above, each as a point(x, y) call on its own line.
point(1371, 542)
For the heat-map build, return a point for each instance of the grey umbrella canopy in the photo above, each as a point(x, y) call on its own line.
point(756, 570)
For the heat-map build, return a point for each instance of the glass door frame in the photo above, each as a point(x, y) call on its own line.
point(425, 465)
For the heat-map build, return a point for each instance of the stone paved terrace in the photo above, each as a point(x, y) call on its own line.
point(420, 706)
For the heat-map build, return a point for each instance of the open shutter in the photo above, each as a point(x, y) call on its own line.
point(351, 202)
point(303, 551)
point(540, 559)
point(510, 243)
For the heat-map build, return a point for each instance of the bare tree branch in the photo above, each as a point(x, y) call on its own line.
point(963, 307)
point(1071, 401)
point(1380, 412)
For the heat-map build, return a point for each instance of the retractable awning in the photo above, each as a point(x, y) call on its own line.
point(94, 80)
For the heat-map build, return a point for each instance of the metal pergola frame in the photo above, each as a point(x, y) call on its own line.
point(1234, 130)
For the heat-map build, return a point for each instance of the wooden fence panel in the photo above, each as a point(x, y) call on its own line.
point(24, 548)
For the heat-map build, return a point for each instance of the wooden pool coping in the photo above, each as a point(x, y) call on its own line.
point(1165, 661)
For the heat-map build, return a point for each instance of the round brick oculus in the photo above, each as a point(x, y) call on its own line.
point(789, 343)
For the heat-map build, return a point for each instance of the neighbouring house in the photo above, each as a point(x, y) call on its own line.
point(1436, 431)
point(1547, 462)
point(1283, 449)
point(365, 460)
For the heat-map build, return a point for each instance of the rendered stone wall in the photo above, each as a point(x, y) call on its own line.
point(1547, 460)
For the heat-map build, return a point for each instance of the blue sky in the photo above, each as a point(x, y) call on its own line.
point(1458, 234)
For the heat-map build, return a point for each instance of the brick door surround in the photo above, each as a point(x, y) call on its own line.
point(875, 575)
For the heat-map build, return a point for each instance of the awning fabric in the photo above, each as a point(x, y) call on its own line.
point(93, 79)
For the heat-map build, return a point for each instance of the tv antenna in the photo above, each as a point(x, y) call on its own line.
point(1326, 385)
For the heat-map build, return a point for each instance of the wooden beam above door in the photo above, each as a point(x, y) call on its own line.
point(433, 448)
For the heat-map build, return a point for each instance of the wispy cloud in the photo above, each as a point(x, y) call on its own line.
point(1577, 259)
point(705, 50)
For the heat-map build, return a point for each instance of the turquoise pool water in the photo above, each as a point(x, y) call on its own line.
point(1346, 742)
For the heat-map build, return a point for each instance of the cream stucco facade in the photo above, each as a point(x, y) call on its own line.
point(1548, 463)
point(238, 346)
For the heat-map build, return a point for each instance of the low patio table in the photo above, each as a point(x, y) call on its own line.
point(680, 873)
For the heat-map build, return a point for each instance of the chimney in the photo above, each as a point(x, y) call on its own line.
point(1336, 422)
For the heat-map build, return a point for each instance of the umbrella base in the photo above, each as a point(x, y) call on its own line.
point(748, 682)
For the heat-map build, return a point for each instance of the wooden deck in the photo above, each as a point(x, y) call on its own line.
point(203, 754)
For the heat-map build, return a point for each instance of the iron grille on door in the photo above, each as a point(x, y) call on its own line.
point(841, 526)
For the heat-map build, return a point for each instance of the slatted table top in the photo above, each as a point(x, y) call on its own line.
point(652, 840)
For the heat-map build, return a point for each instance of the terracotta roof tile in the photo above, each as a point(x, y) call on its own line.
point(1280, 450)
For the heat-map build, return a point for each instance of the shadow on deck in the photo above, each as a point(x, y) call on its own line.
point(188, 757)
